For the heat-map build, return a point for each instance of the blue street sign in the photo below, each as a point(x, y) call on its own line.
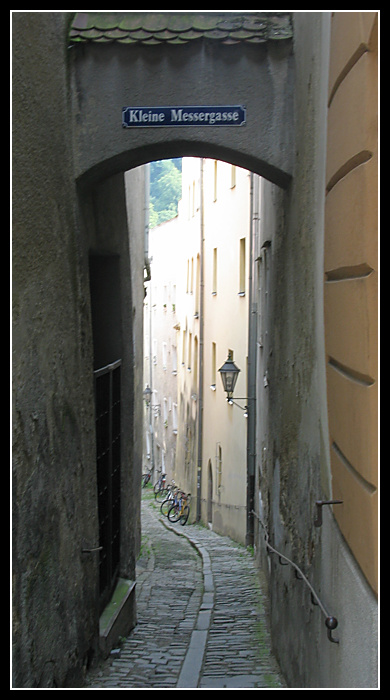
point(227, 115)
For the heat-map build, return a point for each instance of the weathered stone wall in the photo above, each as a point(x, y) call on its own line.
point(113, 228)
point(54, 491)
point(294, 468)
point(259, 76)
point(55, 228)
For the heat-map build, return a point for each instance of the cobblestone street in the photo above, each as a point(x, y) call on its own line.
point(201, 621)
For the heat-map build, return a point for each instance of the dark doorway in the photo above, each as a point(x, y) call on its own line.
point(108, 467)
point(107, 344)
point(105, 287)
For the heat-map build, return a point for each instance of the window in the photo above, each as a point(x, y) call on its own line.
point(233, 177)
point(219, 464)
point(213, 366)
point(197, 287)
point(164, 356)
point(189, 352)
point(241, 290)
point(165, 412)
point(183, 357)
point(155, 404)
point(174, 418)
point(174, 359)
point(214, 287)
point(173, 299)
point(195, 383)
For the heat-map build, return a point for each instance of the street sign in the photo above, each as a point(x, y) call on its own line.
point(226, 115)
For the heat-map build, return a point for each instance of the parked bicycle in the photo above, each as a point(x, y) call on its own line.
point(160, 483)
point(180, 511)
point(171, 499)
point(165, 492)
point(146, 478)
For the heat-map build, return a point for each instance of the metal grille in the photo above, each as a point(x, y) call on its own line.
point(108, 462)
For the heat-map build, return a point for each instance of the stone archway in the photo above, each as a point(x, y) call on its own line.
point(142, 61)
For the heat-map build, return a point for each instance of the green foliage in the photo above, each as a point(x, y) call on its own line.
point(165, 190)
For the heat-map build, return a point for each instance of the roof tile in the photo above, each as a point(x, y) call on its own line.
point(177, 28)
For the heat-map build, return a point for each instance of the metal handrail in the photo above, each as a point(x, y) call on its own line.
point(331, 621)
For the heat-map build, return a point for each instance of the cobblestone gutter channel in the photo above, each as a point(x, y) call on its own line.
point(201, 622)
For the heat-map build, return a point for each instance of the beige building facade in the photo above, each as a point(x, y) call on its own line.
point(199, 302)
point(160, 351)
point(351, 281)
point(226, 269)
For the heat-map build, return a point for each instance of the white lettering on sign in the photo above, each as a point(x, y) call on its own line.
point(138, 115)
point(179, 115)
point(229, 115)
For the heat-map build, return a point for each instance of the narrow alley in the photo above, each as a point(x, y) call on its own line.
point(201, 617)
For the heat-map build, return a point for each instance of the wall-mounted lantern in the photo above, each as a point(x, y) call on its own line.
point(147, 394)
point(148, 401)
point(229, 375)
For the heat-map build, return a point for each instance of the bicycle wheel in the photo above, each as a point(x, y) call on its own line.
point(145, 480)
point(166, 505)
point(184, 517)
point(160, 483)
point(174, 513)
point(161, 495)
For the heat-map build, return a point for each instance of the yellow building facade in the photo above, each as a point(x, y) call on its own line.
point(212, 314)
point(351, 280)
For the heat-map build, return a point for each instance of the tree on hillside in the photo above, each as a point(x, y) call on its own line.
point(165, 190)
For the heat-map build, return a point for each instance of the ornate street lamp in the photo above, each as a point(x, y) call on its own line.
point(148, 401)
point(229, 375)
point(147, 394)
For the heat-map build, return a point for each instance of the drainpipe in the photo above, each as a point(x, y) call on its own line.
point(252, 353)
point(201, 347)
point(147, 276)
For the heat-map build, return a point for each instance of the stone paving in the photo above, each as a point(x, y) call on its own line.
point(201, 621)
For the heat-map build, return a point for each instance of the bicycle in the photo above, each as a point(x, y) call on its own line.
point(180, 511)
point(165, 492)
point(170, 500)
point(160, 483)
point(146, 478)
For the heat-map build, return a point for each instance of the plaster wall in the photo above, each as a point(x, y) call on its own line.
point(294, 470)
point(227, 230)
point(55, 584)
point(221, 468)
point(351, 281)
point(108, 78)
point(55, 615)
point(160, 346)
point(113, 229)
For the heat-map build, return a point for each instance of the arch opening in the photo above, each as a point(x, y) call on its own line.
point(180, 148)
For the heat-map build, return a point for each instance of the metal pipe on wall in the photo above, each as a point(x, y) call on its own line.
point(201, 345)
point(252, 347)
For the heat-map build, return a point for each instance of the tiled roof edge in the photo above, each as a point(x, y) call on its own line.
point(151, 28)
